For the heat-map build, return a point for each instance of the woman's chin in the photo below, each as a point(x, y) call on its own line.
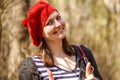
point(61, 36)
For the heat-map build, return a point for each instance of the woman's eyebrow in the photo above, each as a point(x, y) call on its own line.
point(52, 18)
point(48, 20)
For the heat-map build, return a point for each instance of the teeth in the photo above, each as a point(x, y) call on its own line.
point(58, 31)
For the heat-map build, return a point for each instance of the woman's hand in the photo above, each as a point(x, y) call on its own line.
point(89, 74)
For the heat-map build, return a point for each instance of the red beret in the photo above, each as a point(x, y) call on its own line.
point(36, 19)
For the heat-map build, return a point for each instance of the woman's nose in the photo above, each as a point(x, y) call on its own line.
point(57, 23)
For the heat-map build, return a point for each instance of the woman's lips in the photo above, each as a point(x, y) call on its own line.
point(58, 31)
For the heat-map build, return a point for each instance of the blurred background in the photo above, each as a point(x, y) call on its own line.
point(94, 23)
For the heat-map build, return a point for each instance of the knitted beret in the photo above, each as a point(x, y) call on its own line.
point(36, 19)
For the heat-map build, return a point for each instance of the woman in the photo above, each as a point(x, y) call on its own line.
point(56, 59)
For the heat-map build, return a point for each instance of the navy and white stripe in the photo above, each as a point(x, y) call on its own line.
point(58, 73)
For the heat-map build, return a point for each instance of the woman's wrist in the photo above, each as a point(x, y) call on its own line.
point(91, 77)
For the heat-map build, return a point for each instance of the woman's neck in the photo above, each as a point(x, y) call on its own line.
point(56, 48)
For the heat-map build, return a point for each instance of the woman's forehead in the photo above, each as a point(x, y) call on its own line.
point(53, 15)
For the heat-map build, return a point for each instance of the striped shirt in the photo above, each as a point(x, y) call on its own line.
point(58, 73)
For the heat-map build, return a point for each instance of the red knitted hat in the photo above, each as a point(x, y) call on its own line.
point(36, 19)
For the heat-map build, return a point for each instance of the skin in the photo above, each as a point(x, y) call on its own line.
point(54, 30)
point(53, 33)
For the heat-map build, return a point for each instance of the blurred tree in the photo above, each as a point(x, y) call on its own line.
point(11, 36)
point(94, 23)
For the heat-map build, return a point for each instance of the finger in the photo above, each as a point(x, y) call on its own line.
point(88, 69)
point(91, 77)
point(50, 75)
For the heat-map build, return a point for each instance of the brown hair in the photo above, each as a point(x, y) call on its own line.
point(47, 56)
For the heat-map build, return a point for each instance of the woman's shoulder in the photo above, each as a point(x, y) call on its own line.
point(27, 61)
point(30, 60)
point(27, 68)
point(84, 48)
point(27, 64)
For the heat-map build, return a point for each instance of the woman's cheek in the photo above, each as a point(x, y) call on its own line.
point(63, 23)
point(47, 30)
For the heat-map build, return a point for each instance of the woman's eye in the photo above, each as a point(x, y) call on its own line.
point(50, 23)
point(58, 18)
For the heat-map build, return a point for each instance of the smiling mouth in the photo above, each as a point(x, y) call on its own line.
point(58, 30)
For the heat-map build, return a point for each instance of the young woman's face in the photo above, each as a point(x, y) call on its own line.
point(54, 29)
